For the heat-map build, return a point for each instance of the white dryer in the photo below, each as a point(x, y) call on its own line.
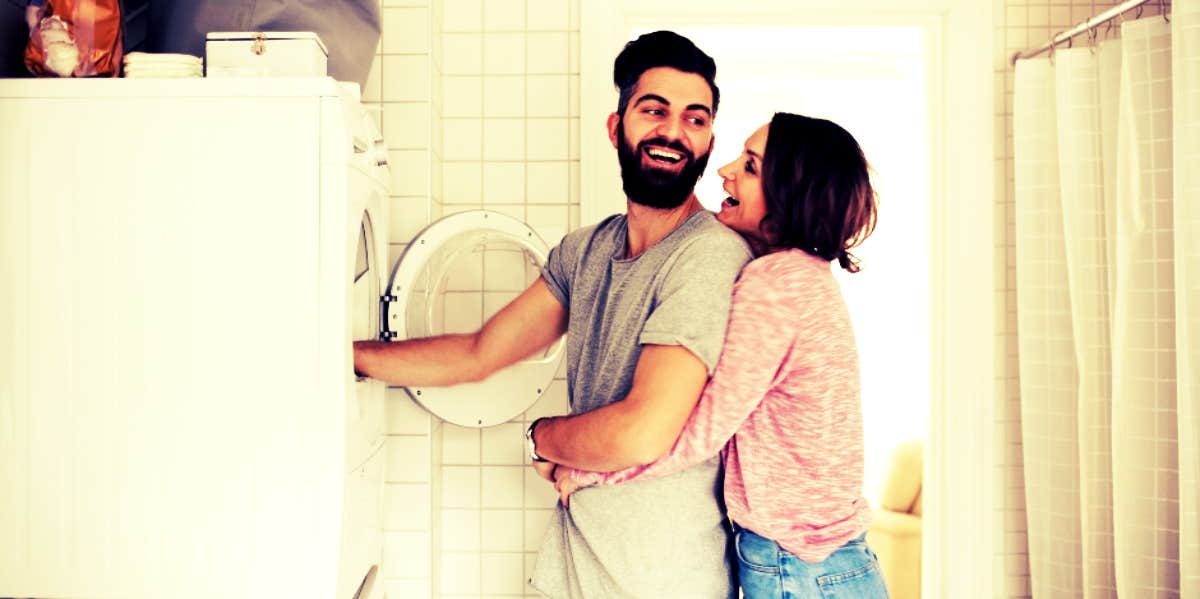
point(183, 267)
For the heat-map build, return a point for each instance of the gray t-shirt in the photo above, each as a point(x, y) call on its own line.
point(665, 537)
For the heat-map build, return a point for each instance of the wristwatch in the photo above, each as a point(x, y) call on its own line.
point(530, 445)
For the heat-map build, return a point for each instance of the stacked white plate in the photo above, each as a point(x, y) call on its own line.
point(144, 65)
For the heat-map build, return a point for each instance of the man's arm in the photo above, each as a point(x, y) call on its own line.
point(526, 325)
point(637, 429)
point(770, 310)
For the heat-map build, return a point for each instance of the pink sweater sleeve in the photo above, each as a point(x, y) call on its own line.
point(760, 335)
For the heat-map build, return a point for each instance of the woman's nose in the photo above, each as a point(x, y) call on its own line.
point(726, 172)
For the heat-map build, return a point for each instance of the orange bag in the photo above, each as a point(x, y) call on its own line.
point(74, 38)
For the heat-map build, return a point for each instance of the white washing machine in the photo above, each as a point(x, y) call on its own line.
point(183, 266)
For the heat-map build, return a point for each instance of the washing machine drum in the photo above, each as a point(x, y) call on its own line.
point(456, 274)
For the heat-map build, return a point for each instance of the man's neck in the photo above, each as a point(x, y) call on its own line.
point(647, 226)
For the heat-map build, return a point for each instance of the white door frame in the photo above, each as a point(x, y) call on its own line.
point(960, 531)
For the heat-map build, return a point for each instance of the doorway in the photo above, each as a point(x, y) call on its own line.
point(960, 482)
point(841, 74)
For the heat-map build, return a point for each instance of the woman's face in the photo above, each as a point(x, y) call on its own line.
point(744, 209)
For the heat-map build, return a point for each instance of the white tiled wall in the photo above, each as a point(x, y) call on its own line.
point(399, 87)
point(1020, 24)
point(479, 104)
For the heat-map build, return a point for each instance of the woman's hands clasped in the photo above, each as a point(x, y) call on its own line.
point(563, 483)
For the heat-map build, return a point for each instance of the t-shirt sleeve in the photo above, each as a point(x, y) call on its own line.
point(692, 307)
point(559, 269)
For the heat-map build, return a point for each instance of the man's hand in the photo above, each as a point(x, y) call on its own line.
point(565, 485)
point(545, 469)
point(637, 429)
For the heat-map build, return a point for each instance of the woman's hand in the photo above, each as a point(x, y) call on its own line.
point(545, 470)
point(565, 485)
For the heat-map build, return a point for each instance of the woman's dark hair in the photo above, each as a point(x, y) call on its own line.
point(817, 187)
point(661, 49)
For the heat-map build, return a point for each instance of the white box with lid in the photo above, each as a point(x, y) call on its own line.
point(265, 54)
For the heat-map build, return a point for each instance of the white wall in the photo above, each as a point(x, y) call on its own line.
point(399, 88)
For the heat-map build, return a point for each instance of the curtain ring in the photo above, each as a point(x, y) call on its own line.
point(1093, 36)
point(1162, 9)
point(1138, 14)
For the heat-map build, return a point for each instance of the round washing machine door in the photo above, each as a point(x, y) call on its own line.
point(456, 274)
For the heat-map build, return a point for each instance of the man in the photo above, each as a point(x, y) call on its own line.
point(645, 299)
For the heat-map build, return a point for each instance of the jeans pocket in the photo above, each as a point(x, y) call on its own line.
point(863, 582)
point(760, 571)
point(756, 553)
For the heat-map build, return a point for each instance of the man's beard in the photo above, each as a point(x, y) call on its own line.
point(652, 187)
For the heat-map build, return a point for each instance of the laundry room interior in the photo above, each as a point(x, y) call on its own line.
point(506, 128)
point(495, 110)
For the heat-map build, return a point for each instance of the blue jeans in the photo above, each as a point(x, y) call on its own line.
point(767, 570)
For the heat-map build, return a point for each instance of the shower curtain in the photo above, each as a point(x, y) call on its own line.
point(1107, 180)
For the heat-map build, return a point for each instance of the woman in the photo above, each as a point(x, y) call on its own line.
point(784, 401)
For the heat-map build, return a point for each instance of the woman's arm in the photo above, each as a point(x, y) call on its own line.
point(761, 334)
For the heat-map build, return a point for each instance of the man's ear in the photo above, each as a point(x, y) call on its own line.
point(614, 121)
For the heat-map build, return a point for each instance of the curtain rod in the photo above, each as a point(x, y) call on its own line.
point(1087, 25)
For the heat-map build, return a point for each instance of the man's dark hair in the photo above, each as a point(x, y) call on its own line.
point(661, 49)
point(817, 188)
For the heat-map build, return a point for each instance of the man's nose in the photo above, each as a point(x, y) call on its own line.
point(669, 128)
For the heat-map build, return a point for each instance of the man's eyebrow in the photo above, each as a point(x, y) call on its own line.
point(662, 100)
point(651, 98)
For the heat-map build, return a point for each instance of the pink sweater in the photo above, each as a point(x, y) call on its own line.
point(784, 404)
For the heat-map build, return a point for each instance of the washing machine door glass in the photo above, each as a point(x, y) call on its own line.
point(365, 307)
point(365, 403)
point(455, 275)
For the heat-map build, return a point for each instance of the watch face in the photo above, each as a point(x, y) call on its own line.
point(529, 443)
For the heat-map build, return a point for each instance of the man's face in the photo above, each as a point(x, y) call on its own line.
point(664, 138)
